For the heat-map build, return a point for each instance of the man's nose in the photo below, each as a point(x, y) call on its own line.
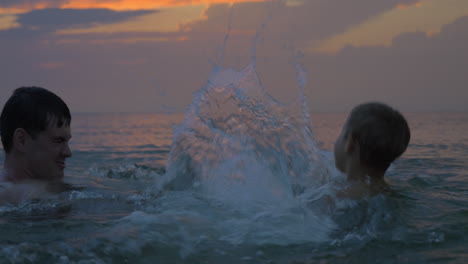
point(67, 151)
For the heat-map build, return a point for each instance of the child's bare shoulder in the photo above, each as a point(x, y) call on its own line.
point(358, 189)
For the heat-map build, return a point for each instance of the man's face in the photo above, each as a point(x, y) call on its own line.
point(47, 152)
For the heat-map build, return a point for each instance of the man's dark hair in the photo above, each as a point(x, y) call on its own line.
point(33, 109)
point(381, 132)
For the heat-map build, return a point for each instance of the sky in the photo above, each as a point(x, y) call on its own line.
point(152, 55)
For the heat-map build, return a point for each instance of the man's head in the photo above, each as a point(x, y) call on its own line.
point(35, 130)
point(374, 136)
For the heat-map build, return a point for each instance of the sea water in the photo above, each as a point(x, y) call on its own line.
point(242, 178)
point(120, 215)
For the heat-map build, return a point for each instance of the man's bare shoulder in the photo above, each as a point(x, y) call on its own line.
point(3, 176)
point(4, 183)
point(7, 195)
point(15, 193)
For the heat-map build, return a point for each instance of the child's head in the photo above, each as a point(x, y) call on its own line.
point(373, 137)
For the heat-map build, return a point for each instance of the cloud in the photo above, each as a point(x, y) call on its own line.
point(8, 22)
point(415, 73)
point(302, 21)
point(24, 6)
point(40, 23)
point(73, 17)
point(52, 65)
point(380, 30)
point(168, 20)
point(288, 28)
point(135, 67)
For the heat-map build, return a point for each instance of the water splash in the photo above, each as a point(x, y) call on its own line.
point(243, 166)
point(239, 144)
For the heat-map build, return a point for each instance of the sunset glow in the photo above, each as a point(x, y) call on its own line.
point(116, 5)
point(172, 14)
point(123, 5)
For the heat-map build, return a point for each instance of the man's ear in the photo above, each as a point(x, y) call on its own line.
point(20, 137)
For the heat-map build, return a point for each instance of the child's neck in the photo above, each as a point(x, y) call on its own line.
point(373, 179)
point(367, 175)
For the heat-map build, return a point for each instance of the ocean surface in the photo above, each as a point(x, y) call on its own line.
point(119, 216)
point(242, 178)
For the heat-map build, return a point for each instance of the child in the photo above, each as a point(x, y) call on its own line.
point(373, 136)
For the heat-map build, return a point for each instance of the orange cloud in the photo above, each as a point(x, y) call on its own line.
point(7, 22)
point(116, 5)
point(129, 40)
point(177, 12)
point(69, 41)
point(132, 62)
point(52, 65)
point(382, 29)
point(122, 41)
point(294, 3)
point(404, 6)
point(120, 5)
point(27, 7)
point(168, 20)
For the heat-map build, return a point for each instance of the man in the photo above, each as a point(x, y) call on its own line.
point(35, 131)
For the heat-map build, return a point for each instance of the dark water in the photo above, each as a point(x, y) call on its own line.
point(118, 217)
